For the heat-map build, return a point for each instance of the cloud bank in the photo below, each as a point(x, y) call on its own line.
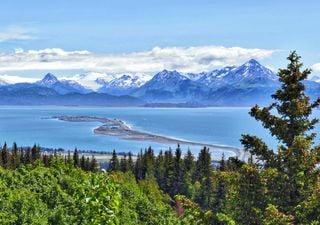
point(190, 59)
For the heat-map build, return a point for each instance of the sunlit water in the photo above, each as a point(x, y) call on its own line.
point(221, 126)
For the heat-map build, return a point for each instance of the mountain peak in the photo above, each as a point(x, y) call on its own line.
point(252, 62)
point(49, 78)
point(254, 69)
point(168, 74)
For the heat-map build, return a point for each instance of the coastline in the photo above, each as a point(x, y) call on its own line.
point(118, 128)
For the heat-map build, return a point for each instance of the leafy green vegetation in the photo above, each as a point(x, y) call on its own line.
point(59, 194)
point(278, 187)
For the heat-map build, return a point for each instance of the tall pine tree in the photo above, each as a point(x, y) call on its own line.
point(288, 120)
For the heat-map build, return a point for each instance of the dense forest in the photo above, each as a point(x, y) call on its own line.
point(274, 187)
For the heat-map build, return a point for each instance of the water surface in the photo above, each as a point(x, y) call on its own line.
point(221, 126)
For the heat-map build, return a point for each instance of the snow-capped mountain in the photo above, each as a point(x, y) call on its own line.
point(122, 85)
point(215, 78)
point(89, 79)
point(248, 80)
point(63, 86)
point(251, 70)
point(170, 86)
point(246, 84)
point(48, 80)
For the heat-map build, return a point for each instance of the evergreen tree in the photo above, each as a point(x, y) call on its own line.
point(178, 172)
point(76, 160)
point(69, 160)
point(15, 156)
point(130, 162)
point(124, 167)
point(203, 175)
point(222, 166)
point(45, 159)
point(138, 170)
point(94, 164)
point(35, 153)
point(148, 161)
point(189, 163)
point(251, 199)
point(188, 174)
point(22, 156)
point(160, 169)
point(87, 164)
point(5, 157)
point(169, 174)
point(296, 158)
point(114, 162)
point(83, 162)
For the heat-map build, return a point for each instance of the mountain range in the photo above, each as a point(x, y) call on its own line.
point(244, 85)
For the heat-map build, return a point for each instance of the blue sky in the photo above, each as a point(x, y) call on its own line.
point(115, 28)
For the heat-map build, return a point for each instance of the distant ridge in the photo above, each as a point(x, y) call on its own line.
point(247, 84)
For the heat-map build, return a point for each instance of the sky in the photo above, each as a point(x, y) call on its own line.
point(145, 36)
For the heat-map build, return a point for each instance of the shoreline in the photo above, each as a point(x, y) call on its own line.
point(118, 128)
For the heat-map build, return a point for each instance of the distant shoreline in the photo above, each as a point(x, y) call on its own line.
point(118, 128)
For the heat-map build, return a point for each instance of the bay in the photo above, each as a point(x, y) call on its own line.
point(28, 125)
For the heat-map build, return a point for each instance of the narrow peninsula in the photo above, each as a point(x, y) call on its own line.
point(118, 128)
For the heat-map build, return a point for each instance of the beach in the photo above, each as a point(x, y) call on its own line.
point(118, 128)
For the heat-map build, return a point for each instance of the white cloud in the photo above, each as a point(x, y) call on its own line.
point(16, 33)
point(11, 79)
point(191, 59)
point(316, 68)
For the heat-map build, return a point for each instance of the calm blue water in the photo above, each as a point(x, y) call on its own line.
point(223, 126)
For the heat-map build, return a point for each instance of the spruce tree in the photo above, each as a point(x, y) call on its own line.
point(138, 167)
point(35, 153)
point(130, 162)
point(114, 164)
point(5, 157)
point(76, 160)
point(189, 161)
point(203, 175)
point(94, 166)
point(15, 156)
point(288, 120)
point(160, 169)
point(178, 172)
point(169, 174)
point(83, 162)
point(124, 164)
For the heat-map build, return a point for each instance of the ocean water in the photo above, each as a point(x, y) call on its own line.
point(28, 125)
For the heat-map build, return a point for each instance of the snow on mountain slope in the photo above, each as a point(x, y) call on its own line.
point(89, 79)
point(253, 69)
point(251, 72)
point(123, 84)
point(63, 86)
point(170, 86)
point(48, 80)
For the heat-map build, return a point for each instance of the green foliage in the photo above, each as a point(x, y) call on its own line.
point(143, 202)
point(295, 175)
point(273, 216)
point(60, 194)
